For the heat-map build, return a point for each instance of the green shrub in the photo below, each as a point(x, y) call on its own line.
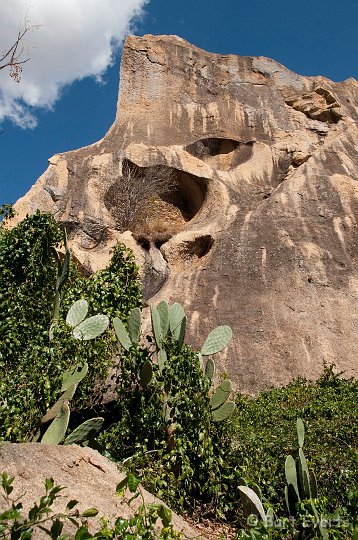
point(30, 364)
point(180, 455)
point(264, 435)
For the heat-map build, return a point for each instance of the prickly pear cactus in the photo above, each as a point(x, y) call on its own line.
point(176, 316)
point(156, 326)
point(134, 325)
point(55, 409)
point(182, 331)
point(251, 503)
point(300, 432)
point(122, 334)
point(217, 340)
point(91, 328)
point(77, 313)
point(221, 394)
point(210, 369)
point(163, 312)
point(58, 427)
point(74, 375)
point(224, 411)
point(85, 432)
point(162, 359)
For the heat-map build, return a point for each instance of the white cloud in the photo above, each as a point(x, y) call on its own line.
point(74, 39)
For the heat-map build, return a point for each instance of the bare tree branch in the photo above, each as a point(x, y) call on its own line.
point(17, 54)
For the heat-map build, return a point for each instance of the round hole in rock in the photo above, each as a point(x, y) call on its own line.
point(154, 211)
point(197, 248)
point(221, 153)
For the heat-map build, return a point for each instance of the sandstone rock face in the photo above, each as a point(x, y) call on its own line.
point(264, 208)
point(87, 476)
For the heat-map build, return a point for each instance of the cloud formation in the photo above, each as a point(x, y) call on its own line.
point(73, 39)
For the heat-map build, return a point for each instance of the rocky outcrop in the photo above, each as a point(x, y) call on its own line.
point(262, 216)
point(86, 475)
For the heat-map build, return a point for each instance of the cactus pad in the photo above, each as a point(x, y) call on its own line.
point(182, 331)
point(58, 427)
point(84, 432)
point(77, 313)
point(156, 326)
point(251, 503)
point(217, 340)
point(162, 358)
point(210, 369)
point(122, 334)
point(55, 409)
point(134, 324)
point(300, 432)
point(221, 394)
point(176, 316)
point(74, 375)
point(163, 311)
point(224, 411)
point(91, 328)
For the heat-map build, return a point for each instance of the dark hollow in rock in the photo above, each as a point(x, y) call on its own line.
point(221, 153)
point(197, 248)
point(177, 200)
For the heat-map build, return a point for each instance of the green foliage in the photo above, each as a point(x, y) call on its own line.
point(163, 425)
point(41, 518)
point(30, 364)
point(309, 517)
point(263, 434)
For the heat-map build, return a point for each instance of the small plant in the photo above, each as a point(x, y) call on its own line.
point(16, 525)
point(40, 518)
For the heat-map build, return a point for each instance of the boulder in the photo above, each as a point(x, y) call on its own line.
point(86, 475)
point(259, 227)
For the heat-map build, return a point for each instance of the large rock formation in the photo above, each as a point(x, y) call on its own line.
point(263, 214)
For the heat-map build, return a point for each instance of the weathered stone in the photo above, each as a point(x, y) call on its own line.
point(87, 476)
point(264, 214)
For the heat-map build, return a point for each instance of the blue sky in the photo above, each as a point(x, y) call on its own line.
point(310, 37)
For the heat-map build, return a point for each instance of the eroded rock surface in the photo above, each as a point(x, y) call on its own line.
point(264, 205)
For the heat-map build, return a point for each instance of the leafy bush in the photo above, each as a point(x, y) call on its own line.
point(165, 429)
point(263, 435)
point(30, 364)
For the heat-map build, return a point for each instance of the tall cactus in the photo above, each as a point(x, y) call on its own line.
point(300, 483)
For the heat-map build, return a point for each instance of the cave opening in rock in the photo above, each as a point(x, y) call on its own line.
point(154, 212)
point(221, 153)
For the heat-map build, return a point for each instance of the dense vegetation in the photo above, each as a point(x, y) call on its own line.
point(160, 422)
